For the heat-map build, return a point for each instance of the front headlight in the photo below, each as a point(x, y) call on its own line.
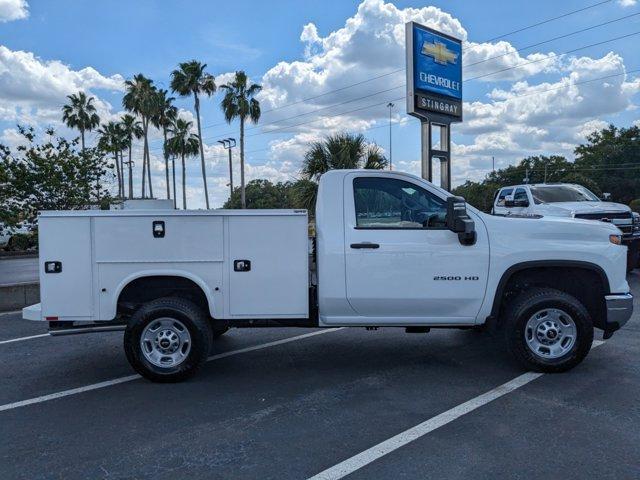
point(615, 239)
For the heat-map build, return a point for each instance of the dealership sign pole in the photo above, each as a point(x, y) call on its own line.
point(434, 93)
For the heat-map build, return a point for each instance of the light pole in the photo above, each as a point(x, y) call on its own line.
point(228, 144)
point(390, 105)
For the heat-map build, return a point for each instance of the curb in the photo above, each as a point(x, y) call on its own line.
point(18, 295)
point(10, 255)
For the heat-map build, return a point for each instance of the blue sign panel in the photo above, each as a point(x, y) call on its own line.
point(437, 63)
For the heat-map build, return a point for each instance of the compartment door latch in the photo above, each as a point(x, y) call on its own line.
point(158, 229)
point(241, 265)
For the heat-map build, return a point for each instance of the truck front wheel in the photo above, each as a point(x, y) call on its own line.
point(548, 330)
point(167, 340)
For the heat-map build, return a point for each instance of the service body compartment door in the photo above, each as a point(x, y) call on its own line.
point(67, 294)
point(268, 266)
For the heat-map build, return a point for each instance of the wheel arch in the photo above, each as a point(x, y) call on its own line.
point(568, 268)
point(158, 281)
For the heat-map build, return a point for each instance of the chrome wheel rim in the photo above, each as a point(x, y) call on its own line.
point(165, 342)
point(550, 333)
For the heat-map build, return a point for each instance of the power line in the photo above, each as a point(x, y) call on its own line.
point(552, 56)
point(564, 15)
point(403, 97)
point(304, 100)
point(582, 30)
point(469, 79)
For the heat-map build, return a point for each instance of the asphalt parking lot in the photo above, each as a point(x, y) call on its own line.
point(292, 403)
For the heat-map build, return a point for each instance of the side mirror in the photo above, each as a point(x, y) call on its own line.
point(509, 202)
point(458, 221)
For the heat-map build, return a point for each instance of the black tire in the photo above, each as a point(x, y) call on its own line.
point(191, 316)
point(528, 303)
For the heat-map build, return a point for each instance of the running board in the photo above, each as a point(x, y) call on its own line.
point(91, 328)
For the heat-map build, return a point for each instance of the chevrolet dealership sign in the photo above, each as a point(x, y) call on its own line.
point(434, 74)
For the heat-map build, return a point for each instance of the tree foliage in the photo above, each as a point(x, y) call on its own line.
point(265, 194)
point(52, 175)
point(608, 162)
point(239, 102)
point(342, 150)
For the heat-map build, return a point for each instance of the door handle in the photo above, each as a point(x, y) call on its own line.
point(365, 245)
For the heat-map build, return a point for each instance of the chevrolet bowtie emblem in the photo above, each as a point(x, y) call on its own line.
point(440, 53)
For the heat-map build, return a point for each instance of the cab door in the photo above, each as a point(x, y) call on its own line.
point(402, 263)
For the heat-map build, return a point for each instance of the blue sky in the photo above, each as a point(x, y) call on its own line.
point(543, 102)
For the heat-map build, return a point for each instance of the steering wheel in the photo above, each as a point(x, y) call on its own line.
point(432, 217)
point(410, 205)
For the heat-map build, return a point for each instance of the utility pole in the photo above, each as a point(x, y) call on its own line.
point(493, 164)
point(129, 165)
point(228, 144)
point(390, 105)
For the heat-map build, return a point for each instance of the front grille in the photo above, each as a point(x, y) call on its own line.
point(622, 220)
point(610, 216)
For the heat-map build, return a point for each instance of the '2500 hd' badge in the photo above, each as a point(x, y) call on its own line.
point(456, 278)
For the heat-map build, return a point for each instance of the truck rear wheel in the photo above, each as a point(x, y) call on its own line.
point(167, 340)
point(548, 330)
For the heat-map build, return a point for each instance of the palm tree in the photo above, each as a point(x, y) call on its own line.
point(164, 115)
point(342, 150)
point(141, 100)
point(190, 78)
point(239, 102)
point(184, 143)
point(131, 127)
point(80, 113)
point(112, 141)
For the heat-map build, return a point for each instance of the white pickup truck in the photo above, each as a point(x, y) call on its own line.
point(392, 250)
point(571, 200)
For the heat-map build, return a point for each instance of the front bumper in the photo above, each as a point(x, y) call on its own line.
point(619, 310)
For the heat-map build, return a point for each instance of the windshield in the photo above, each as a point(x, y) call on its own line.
point(562, 193)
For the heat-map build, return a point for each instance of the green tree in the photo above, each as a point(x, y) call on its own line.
point(140, 98)
point(131, 128)
point(339, 151)
point(185, 144)
point(239, 102)
point(163, 118)
point(112, 141)
point(52, 175)
point(611, 158)
point(188, 79)
point(80, 113)
point(478, 194)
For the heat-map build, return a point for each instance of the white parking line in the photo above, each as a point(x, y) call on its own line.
point(20, 339)
point(372, 454)
point(2, 314)
point(129, 378)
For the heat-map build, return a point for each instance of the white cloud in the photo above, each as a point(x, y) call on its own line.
point(34, 89)
point(627, 3)
point(13, 10)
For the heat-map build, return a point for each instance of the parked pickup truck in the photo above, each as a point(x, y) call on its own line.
point(392, 250)
point(570, 200)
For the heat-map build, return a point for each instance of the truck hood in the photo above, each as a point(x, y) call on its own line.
point(569, 208)
point(565, 227)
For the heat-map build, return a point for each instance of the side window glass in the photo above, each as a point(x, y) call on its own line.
point(521, 195)
point(501, 196)
point(390, 203)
